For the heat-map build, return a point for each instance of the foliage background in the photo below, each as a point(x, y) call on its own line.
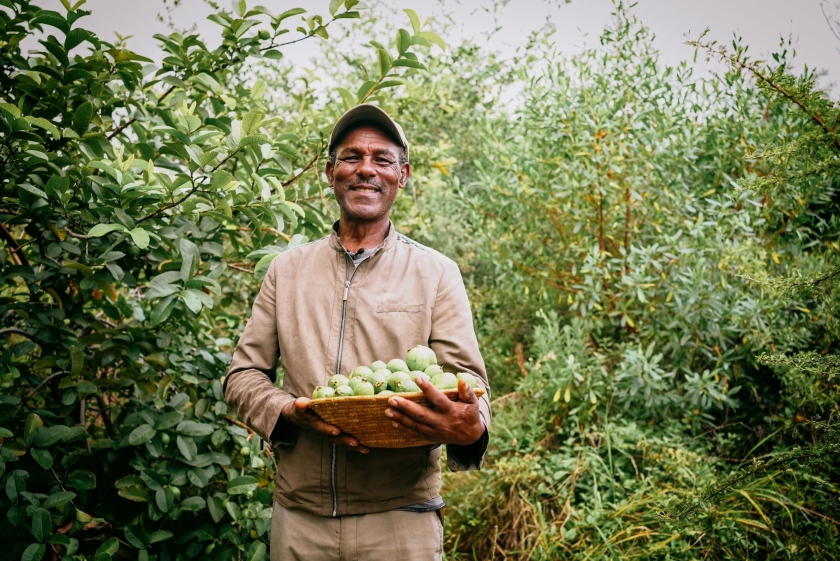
point(652, 259)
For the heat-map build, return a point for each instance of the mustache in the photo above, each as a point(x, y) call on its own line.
point(372, 182)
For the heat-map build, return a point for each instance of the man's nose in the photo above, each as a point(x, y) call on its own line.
point(366, 167)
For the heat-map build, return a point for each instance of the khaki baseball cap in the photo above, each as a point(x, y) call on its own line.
point(372, 113)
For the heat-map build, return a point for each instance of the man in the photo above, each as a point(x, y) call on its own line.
point(363, 293)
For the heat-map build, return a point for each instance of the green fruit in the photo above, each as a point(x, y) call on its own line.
point(323, 391)
point(245, 450)
point(395, 377)
point(420, 357)
point(337, 380)
point(397, 365)
point(417, 374)
point(433, 370)
point(363, 388)
point(164, 438)
point(344, 391)
point(468, 378)
point(379, 380)
point(355, 381)
point(406, 386)
point(263, 34)
point(175, 491)
point(209, 549)
point(378, 365)
point(362, 371)
point(385, 393)
point(445, 381)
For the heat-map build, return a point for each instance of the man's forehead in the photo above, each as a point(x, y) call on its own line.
point(363, 135)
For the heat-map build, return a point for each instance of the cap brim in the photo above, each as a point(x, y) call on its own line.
point(368, 113)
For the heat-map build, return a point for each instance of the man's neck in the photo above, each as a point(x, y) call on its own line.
point(362, 235)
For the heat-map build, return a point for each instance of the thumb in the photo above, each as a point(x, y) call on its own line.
point(466, 393)
point(302, 404)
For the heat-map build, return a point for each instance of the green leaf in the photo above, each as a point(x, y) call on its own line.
point(77, 361)
point(165, 499)
point(365, 90)
point(159, 536)
point(187, 447)
point(191, 258)
point(43, 124)
point(335, 5)
point(136, 493)
point(101, 229)
point(384, 63)
point(42, 456)
point(136, 536)
point(415, 21)
point(109, 548)
point(59, 499)
point(193, 428)
point(82, 480)
point(242, 485)
point(140, 237)
point(256, 551)
point(197, 477)
point(168, 420)
point(81, 118)
point(194, 504)
point(403, 41)
point(432, 38)
point(33, 422)
point(141, 434)
point(41, 524)
point(162, 310)
point(6, 433)
point(34, 552)
point(410, 63)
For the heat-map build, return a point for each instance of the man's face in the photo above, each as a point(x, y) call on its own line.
point(367, 174)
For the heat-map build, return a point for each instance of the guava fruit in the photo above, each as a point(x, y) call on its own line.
point(433, 370)
point(363, 388)
point(445, 381)
point(468, 378)
point(420, 357)
point(406, 386)
point(385, 393)
point(417, 374)
point(379, 379)
point(323, 391)
point(343, 391)
point(355, 381)
point(362, 371)
point(397, 365)
point(395, 377)
point(337, 380)
point(378, 365)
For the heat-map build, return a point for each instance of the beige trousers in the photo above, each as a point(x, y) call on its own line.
point(392, 535)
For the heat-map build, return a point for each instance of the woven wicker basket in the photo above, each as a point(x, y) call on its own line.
point(364, 418)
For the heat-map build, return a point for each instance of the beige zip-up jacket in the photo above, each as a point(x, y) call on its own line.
point(320, 316)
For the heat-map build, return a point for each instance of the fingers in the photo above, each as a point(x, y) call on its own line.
point(434, 395)
point(466, 392)
point(350, 443)
point(401, 420)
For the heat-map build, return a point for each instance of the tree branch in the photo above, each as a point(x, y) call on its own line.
point(18, 256)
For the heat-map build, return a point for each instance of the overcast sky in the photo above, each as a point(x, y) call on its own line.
point(760, 22)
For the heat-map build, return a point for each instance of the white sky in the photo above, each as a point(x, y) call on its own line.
point(760, 22)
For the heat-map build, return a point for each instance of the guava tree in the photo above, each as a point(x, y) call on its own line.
point(136, 201)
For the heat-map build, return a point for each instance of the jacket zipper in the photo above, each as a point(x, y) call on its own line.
point(348, 278)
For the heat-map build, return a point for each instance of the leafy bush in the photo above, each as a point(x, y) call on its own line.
point(137, 201)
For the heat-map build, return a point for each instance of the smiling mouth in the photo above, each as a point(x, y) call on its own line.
point(364, 189)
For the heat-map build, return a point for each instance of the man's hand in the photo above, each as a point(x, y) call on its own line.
point(298, 413)
point(450, 422)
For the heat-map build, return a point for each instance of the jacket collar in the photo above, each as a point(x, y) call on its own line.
point(390, 239)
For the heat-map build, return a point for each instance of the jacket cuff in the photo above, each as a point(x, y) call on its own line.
point(284, 432)
point(469, 457)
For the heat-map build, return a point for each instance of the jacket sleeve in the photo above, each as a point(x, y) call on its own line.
point(249, 385)
point(454, 342)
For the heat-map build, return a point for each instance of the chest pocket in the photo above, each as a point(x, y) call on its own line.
point(401, 307)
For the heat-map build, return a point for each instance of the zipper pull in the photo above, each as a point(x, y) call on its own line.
point(346, 290)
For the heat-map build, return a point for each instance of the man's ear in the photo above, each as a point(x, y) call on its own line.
point(405, 173)
point(329, 171)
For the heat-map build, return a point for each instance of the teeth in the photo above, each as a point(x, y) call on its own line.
point(365, 190)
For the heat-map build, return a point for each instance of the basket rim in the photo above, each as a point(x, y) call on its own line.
point(374, 398)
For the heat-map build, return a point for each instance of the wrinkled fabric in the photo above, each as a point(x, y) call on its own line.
point(404, 295)
point(297, 535)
